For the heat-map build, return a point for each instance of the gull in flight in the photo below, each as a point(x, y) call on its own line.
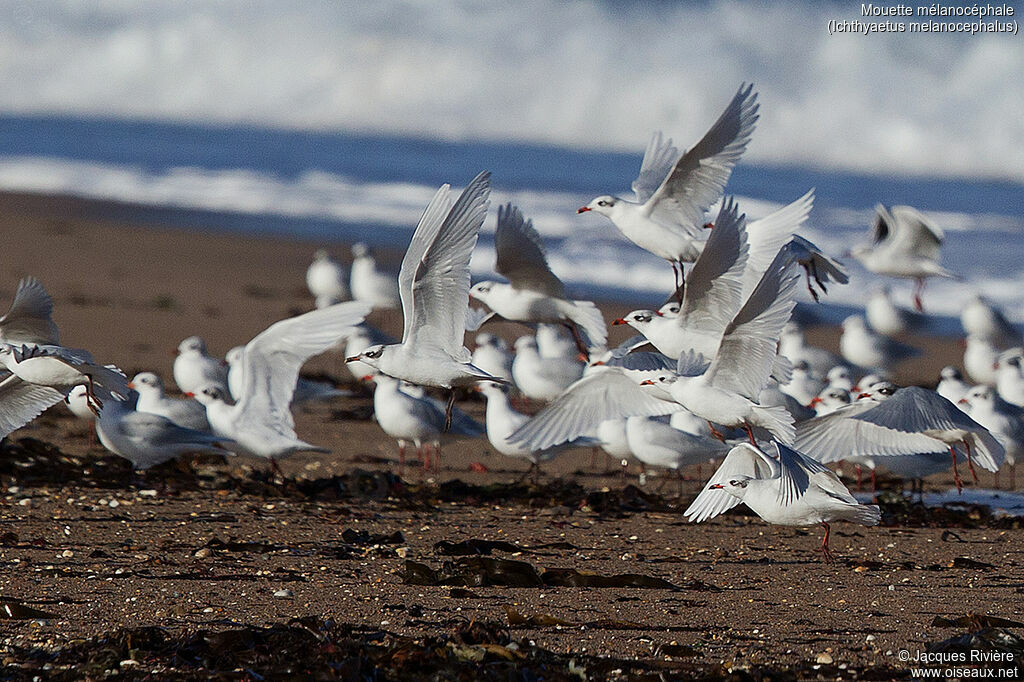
point(674, 191)
point(904, 244)
point(783, 487)
point(62, 369)
point(260, 422)
point(434, 287)
point(533, 293)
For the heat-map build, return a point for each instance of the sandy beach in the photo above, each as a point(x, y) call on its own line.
point(358, 555)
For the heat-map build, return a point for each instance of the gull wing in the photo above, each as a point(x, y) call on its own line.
point(797, 471)
point(271, 361)
point(699, 176)
point(434, 279)
point(883, 226)
point(711, 296)
point(22, 402)
point(609, 394)
point(29, 318)
point(742, 460)
point(521, 257)
point(768, 235)
point(841, 434)
point(659, 157)
point(109, 376)
point(915, 234)
point(749, 346)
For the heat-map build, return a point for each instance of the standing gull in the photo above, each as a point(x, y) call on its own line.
point(434, 286)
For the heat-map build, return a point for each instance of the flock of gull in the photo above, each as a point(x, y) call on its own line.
point(718, 373)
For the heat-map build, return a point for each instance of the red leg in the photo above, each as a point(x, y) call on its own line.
point(860, 471)
point(956, 474)
point(750, 434)
point(970, 462)
point(874, 480)
point(448, 410)
point(826, 553)
point(401, 455)
point(715, 432)
point(580, 346)
point(918, 288)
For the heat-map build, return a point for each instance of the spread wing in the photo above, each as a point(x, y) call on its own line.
point(271, 361)
point(29, 318)
point(711, 296)
point(659, 157)
point(22, 402)
point(521, 256)
point(749, 347)
point(580, 409)
point(915, 234)
point(742, 460)
point(768, 235)
point(797, 471)
point(698, 178)
point(434, 279)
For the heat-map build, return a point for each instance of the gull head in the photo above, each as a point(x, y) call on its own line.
point(602, 204)
point(736, 486)
point(146, 381)
point(637, 319)
point(209, 394)
point(321, 255)
point(481, 290)
point(371, 356)
point(951, 372)
point(979, 395)
point(664, 381)
point(234, 356)
point(491, 388)
point(880, 391)
point(360, 250)
point(670, 309)
point(193, 344)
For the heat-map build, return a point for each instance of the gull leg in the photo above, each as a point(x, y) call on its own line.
point(401, 455)
point(1013, 476)
point(970, 462)
point(715, 432)
point(448, 410)
point(874, 480)
point(580, 346)
point(750, 434)
point(860, 471)
point(956, 474)
point(437, 457)
point(826, 553)
point(918, 289)
point(276, 470)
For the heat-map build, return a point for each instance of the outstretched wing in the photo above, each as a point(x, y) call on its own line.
point(698, 178)
point(915, 234)
point(768, 235)
point(434, 279)
point(29, 318)
point(659, 157)
point(742, 460)
point(22, 402)
point(521, 256)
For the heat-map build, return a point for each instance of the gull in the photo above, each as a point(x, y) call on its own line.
point(62, 369)
point(492, 356)
point(326, 279)
point(829, 400)
point(904, 244)
point(724, 390)
point(260, 422)
point(981, 359)
point(502, 420)
point(406, 413)
point(899, 421)
point(305, 389)
point(803, 386)
point(188, 413)
point(816, 264)
point(952, 386)
point(793, 345)
point(983, 320)
point(533, 293)
point(21, 402)
point(1009, 382)
point(194, 367)
point(434, 286)
point(674, 191)
point(29, 319)
point(656, 443)
point(863, 347)
point(839, 377)
point(1003, 420)
point(370, 283)
point(887, 318)
point(540, 378)
point(146, 439)
point(783, 487)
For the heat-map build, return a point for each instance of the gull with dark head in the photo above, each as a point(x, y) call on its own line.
point(674, 191)
point(434, 286)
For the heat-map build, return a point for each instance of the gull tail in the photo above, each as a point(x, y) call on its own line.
point(864, 514)
point(777, 420)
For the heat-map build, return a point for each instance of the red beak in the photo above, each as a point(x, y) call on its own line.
point(190, 394)
point(962, 401)
point(863, 395)
point(709, 226)
point(597, 364)
point(582, 209)
point(131, 385)
point(814, 401)
point(659, 313)
point(352, 359)
point(717, 486)
point(368, 377)
point(646, 382)
point(619, 321)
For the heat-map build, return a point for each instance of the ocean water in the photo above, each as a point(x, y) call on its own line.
point(335, 187)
